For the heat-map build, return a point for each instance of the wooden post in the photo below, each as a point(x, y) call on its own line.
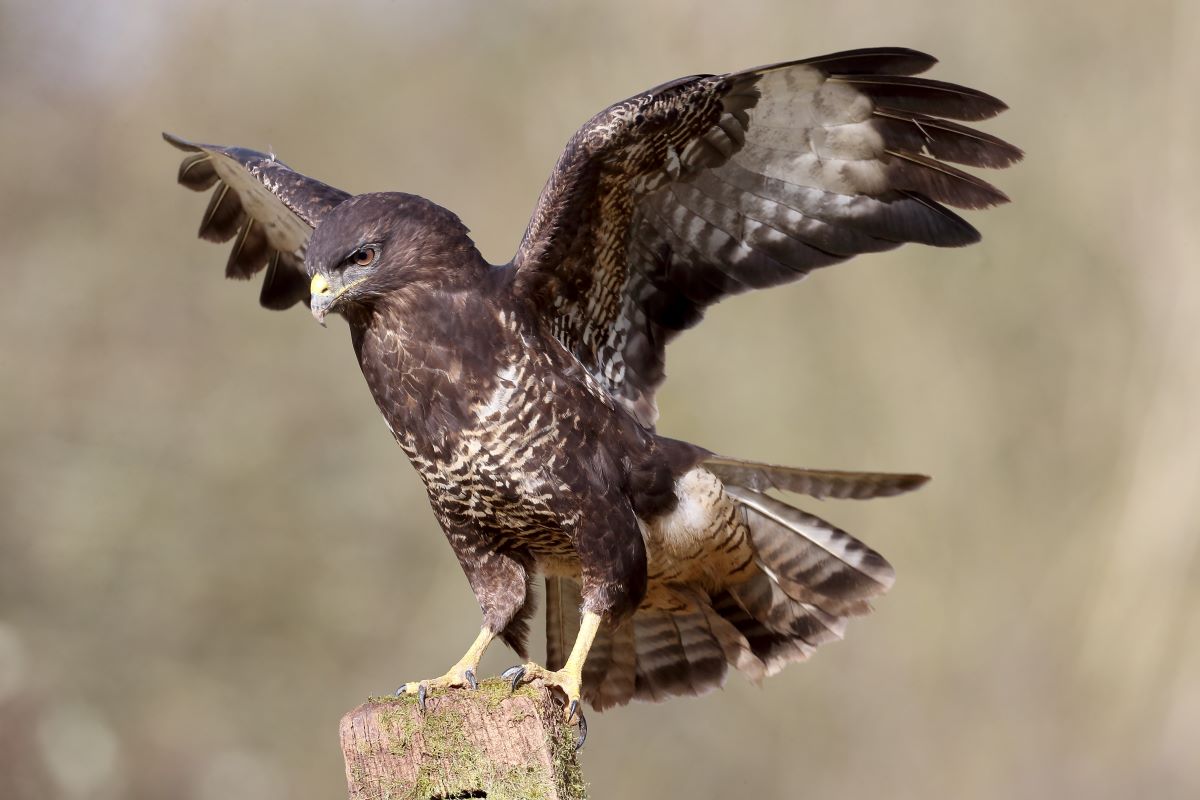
point(491, 743)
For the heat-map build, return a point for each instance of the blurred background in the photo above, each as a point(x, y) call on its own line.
point(210, 548)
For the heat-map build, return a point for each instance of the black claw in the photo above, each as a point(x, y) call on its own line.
point(400, 691)
point(421, 696)
point(516, 673)
point(572, 710)
point(582, 724)
point(470, 676)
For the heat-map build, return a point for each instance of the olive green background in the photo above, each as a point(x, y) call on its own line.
point(210, 547)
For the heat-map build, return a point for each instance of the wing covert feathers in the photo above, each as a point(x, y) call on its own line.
point(711, 185)
point(266, 209)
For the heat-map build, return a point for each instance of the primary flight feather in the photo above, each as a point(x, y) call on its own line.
point(524, 393)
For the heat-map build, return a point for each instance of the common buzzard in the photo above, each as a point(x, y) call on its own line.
point(524, 393)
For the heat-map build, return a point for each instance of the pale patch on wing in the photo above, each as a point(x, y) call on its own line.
point(286, 231)
point(709, 186)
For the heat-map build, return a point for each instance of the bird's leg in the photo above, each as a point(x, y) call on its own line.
point(460, 675)
point(570, 678)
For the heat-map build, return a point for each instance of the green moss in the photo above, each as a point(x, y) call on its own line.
point(398, 723)
point(393, 699)
point(519, 783)
point(452, 763)
point(567, 773)
point(531, 783)
point(496, 689)
point(449, 752)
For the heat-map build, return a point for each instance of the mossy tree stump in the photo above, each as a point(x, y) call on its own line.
point(491, 743)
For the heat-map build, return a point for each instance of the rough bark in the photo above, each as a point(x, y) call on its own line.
point(488, 743)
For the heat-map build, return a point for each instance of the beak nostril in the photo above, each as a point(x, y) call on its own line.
point(319, 285)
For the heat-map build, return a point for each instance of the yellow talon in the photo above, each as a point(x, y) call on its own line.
point(460, 675)
point(570, 678)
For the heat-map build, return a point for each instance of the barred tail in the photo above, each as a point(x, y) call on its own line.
point(803, 580)
point(817, 483)
point(811, 576)
point(682, 647)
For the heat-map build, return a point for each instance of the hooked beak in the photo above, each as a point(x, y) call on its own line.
point(321, 298)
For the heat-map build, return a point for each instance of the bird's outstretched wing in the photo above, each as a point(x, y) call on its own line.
point(667, 202)
point(267, 209)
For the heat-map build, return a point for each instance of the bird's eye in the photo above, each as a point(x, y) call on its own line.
point(363, 256)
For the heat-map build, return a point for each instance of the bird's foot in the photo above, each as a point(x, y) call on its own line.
point(566, 680)
point(459, 676)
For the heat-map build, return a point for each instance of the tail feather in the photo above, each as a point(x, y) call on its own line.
point(797, 582)
point(702, 652)
point(812, 482)
point(617, 679)
point(662, 670)
point(738, 650)
point(676, 654)
point(811, 576)
point(662, 653)
point(563, 600)
point(765, 600)
point(774, 651)
point(810, 559)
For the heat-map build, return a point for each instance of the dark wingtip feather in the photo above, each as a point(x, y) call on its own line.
point(224, 216)
point(182, 144)
point(196, 171)
point(874, 61)
point(926, 96)
point(953, 230)
point(866, 62)
point(250, 251)
point(941, 182)
point(285, 284)
point(944, 139)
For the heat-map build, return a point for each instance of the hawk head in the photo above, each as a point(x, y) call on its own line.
point(375, 244)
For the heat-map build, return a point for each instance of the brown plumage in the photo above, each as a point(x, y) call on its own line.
point(524, 393)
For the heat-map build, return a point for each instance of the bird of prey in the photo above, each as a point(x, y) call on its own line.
point(524, 393)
